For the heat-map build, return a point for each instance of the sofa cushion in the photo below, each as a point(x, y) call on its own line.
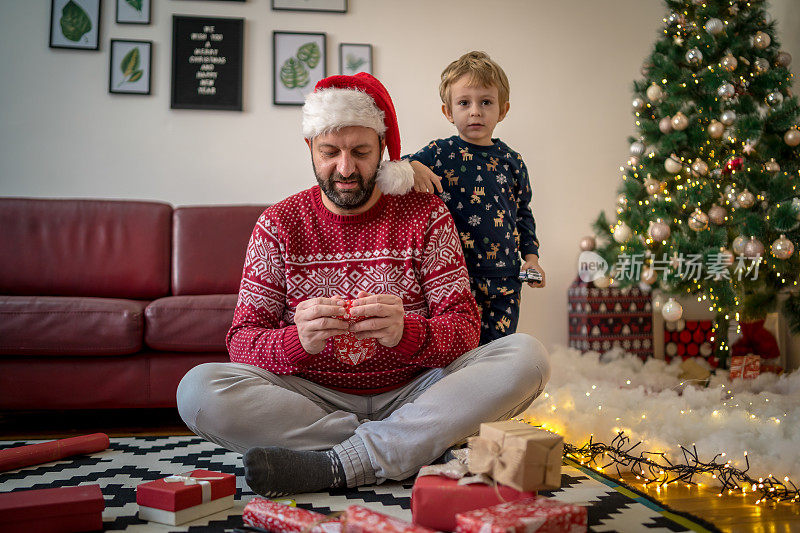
point(65, 325)
point(189, 323)
point(107, 248)
point(209, 244)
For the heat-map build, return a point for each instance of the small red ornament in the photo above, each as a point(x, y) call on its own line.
point(734, 163)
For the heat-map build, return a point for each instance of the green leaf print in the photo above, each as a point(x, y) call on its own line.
point(136, 76)
point(135, 4)
point(75, 22)
point(293, 74)
point(354, 63)
point(309, 54)
point(130, 63)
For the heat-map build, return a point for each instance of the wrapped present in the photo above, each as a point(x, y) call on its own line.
point(347, 347)
point(185, 497)
point(60, 510)
point(540, 515)
point(518, 455)
point(601, 319)
point(362, 520)
point(756, 339)
point(281, 518)
point(689, 338)
point(44, 452)
point(436, 500)
point(745, 366)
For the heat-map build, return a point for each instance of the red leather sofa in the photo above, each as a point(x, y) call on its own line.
point(107, 303)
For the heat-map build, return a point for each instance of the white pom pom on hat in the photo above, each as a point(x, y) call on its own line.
point(360, 100)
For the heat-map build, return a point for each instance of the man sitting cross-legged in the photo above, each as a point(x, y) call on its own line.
point(306, 419)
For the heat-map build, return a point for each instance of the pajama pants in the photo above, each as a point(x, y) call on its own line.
point(498, 300)
point(377, 437)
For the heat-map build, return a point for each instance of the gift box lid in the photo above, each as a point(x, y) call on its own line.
point(37, 504)
point(177, 492)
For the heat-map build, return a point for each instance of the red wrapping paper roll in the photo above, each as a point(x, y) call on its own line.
point(45, 452)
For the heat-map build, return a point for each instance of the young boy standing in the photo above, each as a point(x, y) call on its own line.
point(485, 185)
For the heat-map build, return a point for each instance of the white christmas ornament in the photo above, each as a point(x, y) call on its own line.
point(728, 117)
point(672, 310)
point(637, 149)
point(726, 90)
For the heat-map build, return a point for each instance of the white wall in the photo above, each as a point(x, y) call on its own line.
point(570, 64)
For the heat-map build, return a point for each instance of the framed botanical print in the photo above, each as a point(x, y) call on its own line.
point(355, 58)
point(298, 63)
point(130, 67)
point(75, 24)
point(133, 11)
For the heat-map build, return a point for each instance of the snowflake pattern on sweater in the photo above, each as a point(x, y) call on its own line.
point(404, 245)
point(488, 192)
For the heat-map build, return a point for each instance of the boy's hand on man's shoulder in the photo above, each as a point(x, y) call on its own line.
point(424, 178)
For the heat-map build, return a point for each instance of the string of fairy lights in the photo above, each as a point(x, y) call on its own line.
point(656, 468)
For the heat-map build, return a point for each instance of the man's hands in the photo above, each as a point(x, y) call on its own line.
point(424, 179)
point(532, 261)
point(385, 318)
point(316, 322)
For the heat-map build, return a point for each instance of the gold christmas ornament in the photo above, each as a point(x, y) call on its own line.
point(716, 129)
point(738, 245)
point(622, 232)
point(698, 221)
point(658, 231)
point(655, 93)
point(775, 98)
point(772, 166)
point(679, 121)
point(761, 65)
point(700, 167)
point(729, 63)
point(792, 137)
point(782, 248)
point(602, 282)
point(694, 56)
point(717, 214)
point(622, 200)
point(649, 275)
point(761, 40)
point(783, 59)
point(672, 310)
point(746, 199)
point(673, 164)
point(665, 125)
point(638, 103)
point(632, 162)
point(588, 243)
point(652, 186)
point(753, 248)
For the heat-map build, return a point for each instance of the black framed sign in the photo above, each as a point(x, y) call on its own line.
point(75, 24)
point(207, 63)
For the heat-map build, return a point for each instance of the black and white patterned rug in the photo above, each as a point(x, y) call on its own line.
point(135, 460)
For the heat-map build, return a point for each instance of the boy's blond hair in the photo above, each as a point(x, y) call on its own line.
point(482, 71)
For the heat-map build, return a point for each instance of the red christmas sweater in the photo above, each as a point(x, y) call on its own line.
point(404, 245)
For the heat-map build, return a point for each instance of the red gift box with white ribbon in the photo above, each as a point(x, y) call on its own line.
point(185, 497)
point(745, 366)
point(539, 515)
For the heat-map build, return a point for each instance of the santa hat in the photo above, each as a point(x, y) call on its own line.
point(360, 100)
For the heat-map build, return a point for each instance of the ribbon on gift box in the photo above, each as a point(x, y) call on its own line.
point(488, 457)
point(187, 479)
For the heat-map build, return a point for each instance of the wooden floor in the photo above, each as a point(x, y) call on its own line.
point(730, 513)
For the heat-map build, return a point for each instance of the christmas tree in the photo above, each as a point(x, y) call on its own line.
point(708, 205)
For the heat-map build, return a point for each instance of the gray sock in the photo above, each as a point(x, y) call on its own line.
point(274, 471)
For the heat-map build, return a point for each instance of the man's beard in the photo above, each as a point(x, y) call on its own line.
point(351, 198)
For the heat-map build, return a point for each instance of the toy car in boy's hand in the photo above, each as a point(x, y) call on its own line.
point(347, 348)
point(530, 275)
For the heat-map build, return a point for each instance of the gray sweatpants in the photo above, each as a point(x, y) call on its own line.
point(377, 437)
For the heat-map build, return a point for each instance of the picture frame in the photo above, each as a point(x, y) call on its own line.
point(130, 66)
point(207, 63)
point(75, 24)
point(355, 58)
point(318, 6)
point(133, 11)
point(298, 63)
